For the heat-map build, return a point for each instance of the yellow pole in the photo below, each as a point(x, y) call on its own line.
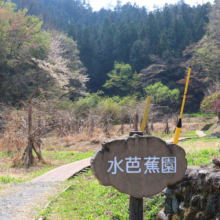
point(145, 114)
point(179, 124)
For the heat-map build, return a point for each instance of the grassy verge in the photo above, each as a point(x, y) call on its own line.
point(86, 199)
point(200, 143)
point(202, 157)
point(183, 133)
point(198, 114)
point(10, 176)
point(63, 157)
point(188, 134)
point(9, 179)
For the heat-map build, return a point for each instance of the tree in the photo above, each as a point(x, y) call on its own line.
point(205, 55)
point(152, 32)
point(89, 55)
point(64, 67)
point(122, 80)
point(121, 43)
point(162, 95)
point(164, 44)
point(132, 32)
point(72, 32)
point(139, 55)
point(20, 39)
point(142, 30)
point(167, 16)
point(211, 103)
point(24, 128)
point(108, 109)
point(106, 50)
point(8, 5)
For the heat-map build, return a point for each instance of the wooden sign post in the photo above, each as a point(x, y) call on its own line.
point(141, 166)
point(135, 204)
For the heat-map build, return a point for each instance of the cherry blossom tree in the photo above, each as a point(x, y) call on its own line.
point(68, 78)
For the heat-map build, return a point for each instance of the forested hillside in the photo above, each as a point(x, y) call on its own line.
point(126, 34)
point(122, 50)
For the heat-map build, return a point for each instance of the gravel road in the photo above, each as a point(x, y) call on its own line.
point(24, 201)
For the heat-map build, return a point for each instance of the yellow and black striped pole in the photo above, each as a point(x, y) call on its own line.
point(179, 124)
point(145, 114)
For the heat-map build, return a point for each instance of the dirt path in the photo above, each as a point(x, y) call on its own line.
point(200, 133)
point(25, 200)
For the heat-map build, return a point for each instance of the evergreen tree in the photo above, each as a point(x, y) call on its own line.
point(164, 44)
point(121, 43)
point(132, 32)
point(72, 31)
point(142, 33)
point(152, 32)
point(167, 16)
point(139, 55)
point(106, 49)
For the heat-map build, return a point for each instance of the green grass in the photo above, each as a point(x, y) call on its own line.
point(198, 114)
point(159, 133)
point(206, 141)
point(189, 134)
point(171, 135)
point(152, 206)
point(87, 199)
point(204, 156)
point(7, 154)
point(66, 156)
point(9, 179)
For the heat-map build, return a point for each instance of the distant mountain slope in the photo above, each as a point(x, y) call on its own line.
point(128, 34)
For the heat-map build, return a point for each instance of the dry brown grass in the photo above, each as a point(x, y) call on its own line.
point(84, 138)
point(84, 142)
point(97, 137)
point(13, 137)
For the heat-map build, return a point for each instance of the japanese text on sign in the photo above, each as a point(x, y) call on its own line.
point(168, 165)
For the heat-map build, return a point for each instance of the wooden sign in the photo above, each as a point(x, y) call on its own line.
point(139, 166)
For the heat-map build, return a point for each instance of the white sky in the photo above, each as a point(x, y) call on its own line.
point(149, 4)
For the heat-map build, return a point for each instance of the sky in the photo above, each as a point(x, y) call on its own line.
point(149, 4)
